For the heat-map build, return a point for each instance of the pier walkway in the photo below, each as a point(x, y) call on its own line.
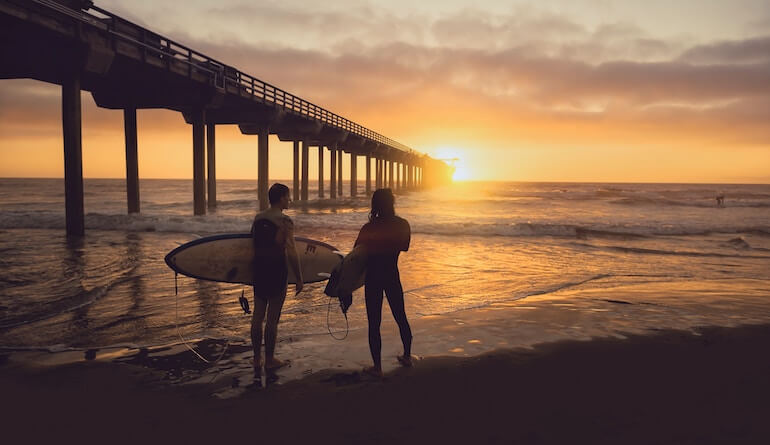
point(80, 46)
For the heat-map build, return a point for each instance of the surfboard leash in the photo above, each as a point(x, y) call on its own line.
point(328, 324)
point(179, 333)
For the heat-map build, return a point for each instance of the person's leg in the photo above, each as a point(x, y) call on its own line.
point(395, 294)
point(274, 307)
point(257, 316)
point(373, 296)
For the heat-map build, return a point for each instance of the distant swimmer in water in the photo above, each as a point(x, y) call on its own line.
point(385, 236)
point(721, 200)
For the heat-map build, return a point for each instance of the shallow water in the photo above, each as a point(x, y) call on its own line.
point(473, 245)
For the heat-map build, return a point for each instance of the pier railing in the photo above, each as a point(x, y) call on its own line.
point(163, 52)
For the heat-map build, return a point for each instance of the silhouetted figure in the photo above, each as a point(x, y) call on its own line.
point(273, 236)
point(720, 200)
point(385, 236)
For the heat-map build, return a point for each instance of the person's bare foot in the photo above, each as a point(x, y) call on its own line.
point(374, 371)
point(405, 360)
point(274, 363)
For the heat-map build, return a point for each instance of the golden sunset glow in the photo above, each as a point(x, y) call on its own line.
point(514, 92)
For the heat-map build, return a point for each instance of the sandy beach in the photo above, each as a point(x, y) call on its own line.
point(708, 385)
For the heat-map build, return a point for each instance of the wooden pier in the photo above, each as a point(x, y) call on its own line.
point(124, 66)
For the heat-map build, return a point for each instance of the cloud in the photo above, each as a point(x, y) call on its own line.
point(471, 76)
point(755, 50)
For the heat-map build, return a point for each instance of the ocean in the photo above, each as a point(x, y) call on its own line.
point(665, 248)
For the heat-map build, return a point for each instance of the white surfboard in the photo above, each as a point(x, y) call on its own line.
point(229, 258)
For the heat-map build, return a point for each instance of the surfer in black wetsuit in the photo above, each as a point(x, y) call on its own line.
point(384, 236)
point(273, 236)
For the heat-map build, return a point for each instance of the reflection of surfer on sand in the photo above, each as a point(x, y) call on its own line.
point(384, 237)
point(273, 237)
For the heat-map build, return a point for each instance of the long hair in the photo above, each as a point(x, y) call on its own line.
point(383, 203)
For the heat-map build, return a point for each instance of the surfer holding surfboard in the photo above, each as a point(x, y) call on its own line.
point(274, 251)
point(385, 236)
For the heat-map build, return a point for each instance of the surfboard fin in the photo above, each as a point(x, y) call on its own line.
point(244, 303)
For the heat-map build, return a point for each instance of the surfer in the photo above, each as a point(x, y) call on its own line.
point(273, 236)
point(384, 237)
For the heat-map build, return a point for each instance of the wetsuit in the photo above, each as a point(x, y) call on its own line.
point(385, 238)
point(273, 237)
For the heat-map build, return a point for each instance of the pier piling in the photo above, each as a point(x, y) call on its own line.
point(73, 156)
point(333, 171)
point(320, 171)
point(305, 167)
point(199, 164)
point(368, 175)
point(339, 173)
point(295, 182)
point(353, 175)
point(132, 160)
point(262, 167)
point(211, 166)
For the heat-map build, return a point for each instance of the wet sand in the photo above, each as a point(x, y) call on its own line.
point(711, 386)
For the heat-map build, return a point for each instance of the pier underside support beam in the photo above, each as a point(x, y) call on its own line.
point(305, 167)
point(211, 165)
point(320, 171)
point(333, 171)
point(295, 182)
point(73, 157)
point(339, 173)
point(262, 167)
point(199, 163)
point(353, 175)
point(368, 175)
point(132, 160)
point(390, 174)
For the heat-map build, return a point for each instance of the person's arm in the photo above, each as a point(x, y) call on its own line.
point(291, 254)
point(406, 236)
point(361, 236)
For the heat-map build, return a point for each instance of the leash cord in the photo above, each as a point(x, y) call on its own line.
point(179, 333)
point(328, 325)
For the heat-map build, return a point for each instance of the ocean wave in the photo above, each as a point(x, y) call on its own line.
point(544, 290)
point(252, 190)
point(689, 253)
point(53, 309)
point(576, 231)
point(247, 203)
point(703, 203)
point(351, 219)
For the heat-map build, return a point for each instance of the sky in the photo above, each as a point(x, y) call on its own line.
point(554, 90)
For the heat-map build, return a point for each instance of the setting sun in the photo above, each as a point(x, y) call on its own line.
point(458, 158)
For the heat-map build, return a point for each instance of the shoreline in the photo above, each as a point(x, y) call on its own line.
point(669, 387)
point(573, 314)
